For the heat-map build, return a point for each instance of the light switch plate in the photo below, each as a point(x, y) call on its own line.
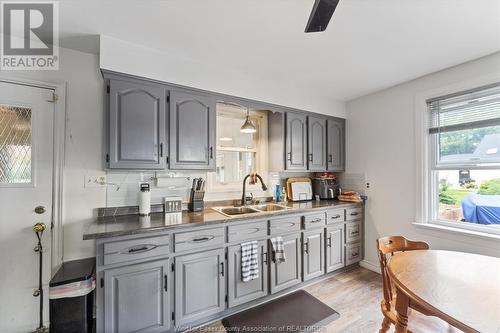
point(95, 181)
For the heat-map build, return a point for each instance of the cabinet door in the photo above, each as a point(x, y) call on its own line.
point(199, 286)
point(192, 131)
point(242, 292)
point(288, 273)
point(137, 125)
point(316, 144)
point(334, 247)
point(296, 141)
point(336, 144)
point(136, 298)
point(314, 254)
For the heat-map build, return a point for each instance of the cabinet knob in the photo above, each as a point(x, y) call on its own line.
point(310, 157)
point(330, 158)
point(289, 156)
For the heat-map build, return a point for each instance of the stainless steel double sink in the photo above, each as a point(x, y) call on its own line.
point(250, 210)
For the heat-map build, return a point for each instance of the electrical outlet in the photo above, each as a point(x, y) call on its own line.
point(95, 181)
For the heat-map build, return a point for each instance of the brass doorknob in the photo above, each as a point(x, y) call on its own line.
point(39, 209)
point(39, 227)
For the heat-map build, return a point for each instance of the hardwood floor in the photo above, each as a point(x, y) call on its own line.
point(356, 295)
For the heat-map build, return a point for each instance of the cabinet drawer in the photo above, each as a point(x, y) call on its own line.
point(314, 221)
point(352, 253)
point(353, 214)
point(353, 231)
point(191, 240)
point(252, 230)
point(285, 224)
point(126, 250)
point(335, 216)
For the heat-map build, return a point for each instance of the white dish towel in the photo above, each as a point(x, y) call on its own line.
point(249, 261)
point(278, 249)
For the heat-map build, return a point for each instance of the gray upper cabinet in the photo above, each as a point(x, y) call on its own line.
point(316, 144)
point(200, 287)
point(336, 144)
point(334, 247)
point(192, 131)
point(137, 125)
point(136, 298)
point(296, 141)
point(241, 292)
point(314, 254)
point(288, 273)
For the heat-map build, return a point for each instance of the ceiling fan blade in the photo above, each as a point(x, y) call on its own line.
point(321, 14)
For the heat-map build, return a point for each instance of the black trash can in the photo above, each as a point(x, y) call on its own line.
point(71, 297)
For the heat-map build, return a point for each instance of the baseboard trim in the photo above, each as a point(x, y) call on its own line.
point(370, 266)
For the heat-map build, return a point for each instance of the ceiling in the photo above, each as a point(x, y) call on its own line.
point(368, 46)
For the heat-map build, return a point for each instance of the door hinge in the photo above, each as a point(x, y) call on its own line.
point(168, 98)
point(226, 299)
point(225, 255)
point(173, 267)
point(102, 282)
point(107, 89)
point(107, 158)
point(168, 159)
point(54, 99)
point(173, 315)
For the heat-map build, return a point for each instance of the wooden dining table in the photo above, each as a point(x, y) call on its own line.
point(462, 289)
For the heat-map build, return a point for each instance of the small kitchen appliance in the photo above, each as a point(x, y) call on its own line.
point(325, 188)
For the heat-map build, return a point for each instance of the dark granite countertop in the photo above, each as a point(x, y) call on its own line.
point(134, 224)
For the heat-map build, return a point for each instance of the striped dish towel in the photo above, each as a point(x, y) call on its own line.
point(278, 249)
point(249, 261)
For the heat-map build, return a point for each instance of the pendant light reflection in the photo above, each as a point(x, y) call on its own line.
point(248, 126)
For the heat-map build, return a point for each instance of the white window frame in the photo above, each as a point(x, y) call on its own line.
point(426, 163)
point(261, 162)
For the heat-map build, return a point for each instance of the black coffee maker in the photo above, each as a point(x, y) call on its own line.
point(325, 188)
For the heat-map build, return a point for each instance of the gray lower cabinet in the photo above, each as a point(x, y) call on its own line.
point(314, 253)
point(192, 131)
point(240, 292)
point(288, 273)
point(316, 144)
point(296, 141)
point(335, 144)
point(136, 298)
point(334, 247)
point(200, 287)
point(137, 125)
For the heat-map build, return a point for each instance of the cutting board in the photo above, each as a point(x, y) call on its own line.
point(300, 185)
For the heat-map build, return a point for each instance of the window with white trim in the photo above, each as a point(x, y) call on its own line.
point(238, 154)
point(464, 161)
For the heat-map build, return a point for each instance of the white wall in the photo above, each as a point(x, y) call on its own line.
point(126, 57)
point(381, 144)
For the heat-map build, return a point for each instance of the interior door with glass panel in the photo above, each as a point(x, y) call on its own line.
point(26, 168)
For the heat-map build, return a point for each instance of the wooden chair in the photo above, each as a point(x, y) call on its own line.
point(417, 321)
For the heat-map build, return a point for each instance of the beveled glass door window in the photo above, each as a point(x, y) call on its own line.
point(15, 145)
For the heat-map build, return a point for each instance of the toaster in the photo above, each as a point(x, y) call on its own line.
point(325, 188)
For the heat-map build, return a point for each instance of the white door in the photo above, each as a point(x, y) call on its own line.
point(26, 167)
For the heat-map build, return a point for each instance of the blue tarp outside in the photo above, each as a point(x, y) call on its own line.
point(481, 209)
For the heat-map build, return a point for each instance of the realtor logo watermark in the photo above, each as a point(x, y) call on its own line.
point(30, 35)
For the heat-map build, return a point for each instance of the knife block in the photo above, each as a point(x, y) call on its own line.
point(196, 203)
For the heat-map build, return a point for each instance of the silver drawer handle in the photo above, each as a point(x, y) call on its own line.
point(355, 254)
point(141, 248)
point(336, 217)
point(354, 232)
point(354, 214)
point(315, 220)
point(203, 239)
